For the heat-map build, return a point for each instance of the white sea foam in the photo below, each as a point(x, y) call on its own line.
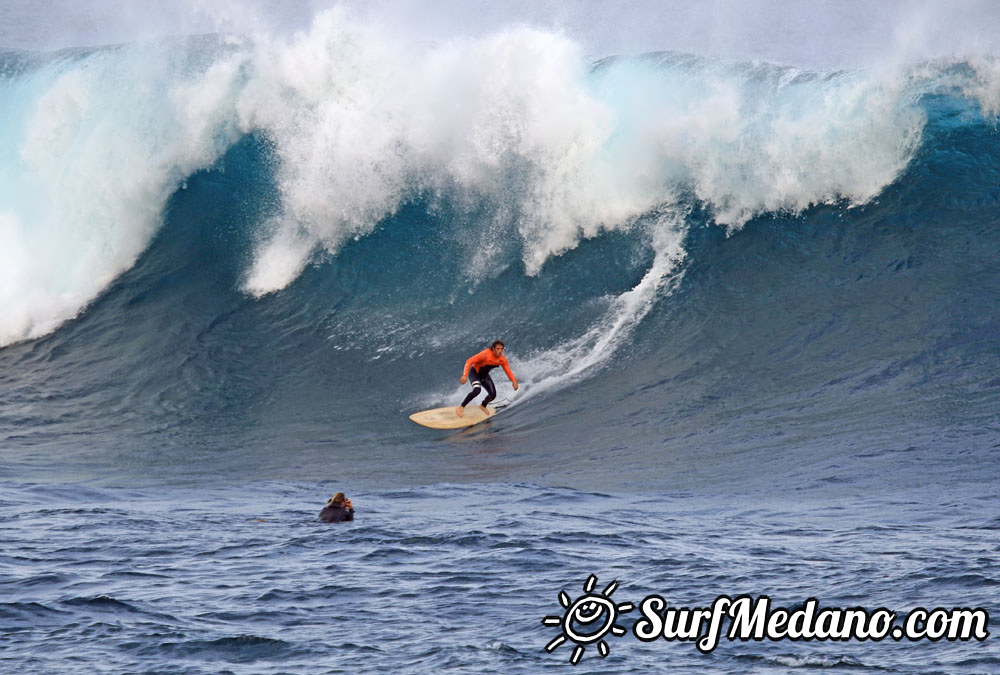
point(579, 356)
point(363, 117)
point(362, 122)
point(90, 161)
point(561, 365)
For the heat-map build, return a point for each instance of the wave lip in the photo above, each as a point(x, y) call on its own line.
point(540, 147)
point(551, 148)
point(97, 142)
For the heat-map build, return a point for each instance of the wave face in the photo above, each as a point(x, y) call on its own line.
point(246, 250)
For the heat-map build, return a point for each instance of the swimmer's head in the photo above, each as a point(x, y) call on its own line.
point(336, 500)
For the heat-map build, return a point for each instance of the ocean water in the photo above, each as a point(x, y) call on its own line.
point(751, 296)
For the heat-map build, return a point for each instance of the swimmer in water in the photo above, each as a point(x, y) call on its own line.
point(338, 510)
point(477, 369)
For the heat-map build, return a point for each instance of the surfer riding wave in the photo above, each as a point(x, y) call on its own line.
point(477, 369)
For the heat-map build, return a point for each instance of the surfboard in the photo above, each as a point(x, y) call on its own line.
point(445, 418)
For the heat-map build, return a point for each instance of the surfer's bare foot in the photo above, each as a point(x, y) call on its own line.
point(460, 410)
point(486, 411)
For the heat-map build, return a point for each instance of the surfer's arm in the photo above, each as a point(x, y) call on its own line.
point(506, 369)
point(472, 361)
point(465, 370)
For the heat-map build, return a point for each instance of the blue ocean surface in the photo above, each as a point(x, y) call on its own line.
point(753, 307)
point(459, 577)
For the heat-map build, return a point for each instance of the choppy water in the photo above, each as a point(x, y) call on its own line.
point(459, 577)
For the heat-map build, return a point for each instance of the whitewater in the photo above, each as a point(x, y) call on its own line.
point(742, 255)
point(556, 148)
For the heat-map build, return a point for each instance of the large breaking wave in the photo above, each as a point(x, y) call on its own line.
point(545, 146)
point(266, 239)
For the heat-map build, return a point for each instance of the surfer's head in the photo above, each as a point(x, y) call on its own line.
point(497, 347)
point(336, 500)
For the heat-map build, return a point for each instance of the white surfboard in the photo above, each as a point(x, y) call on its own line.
point(445, 418)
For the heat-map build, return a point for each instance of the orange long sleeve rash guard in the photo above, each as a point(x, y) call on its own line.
point(488, 358)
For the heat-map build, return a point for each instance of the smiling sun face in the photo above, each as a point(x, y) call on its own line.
point(588, 619)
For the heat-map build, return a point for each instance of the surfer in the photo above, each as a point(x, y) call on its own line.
point(478, 370)
point(337, 510)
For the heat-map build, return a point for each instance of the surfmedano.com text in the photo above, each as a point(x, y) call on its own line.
point(755, 619)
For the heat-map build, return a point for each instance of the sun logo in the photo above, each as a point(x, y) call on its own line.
point(588, 619)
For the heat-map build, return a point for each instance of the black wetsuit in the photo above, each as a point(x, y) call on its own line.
point(480, 379)
point(336, 514)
